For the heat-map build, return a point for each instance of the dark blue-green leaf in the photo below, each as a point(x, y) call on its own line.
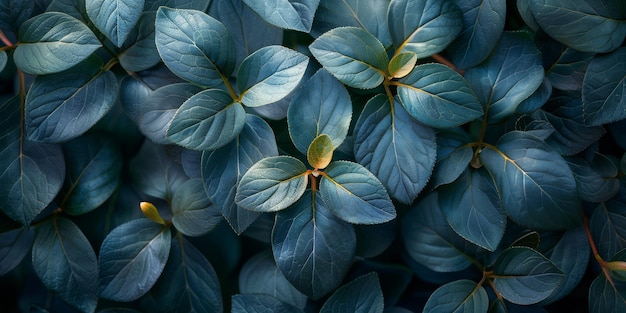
point(608, 227)
point(537, 99)
point(193, 213)
point(3, 60)
point(14, 246)
point(114, 18)
point(287, 14)
point(604, 88)
point(13, 13)
point(596, 179)
point(607, 296)
point(362, 295)
point(140, 51)
point(153, 5)
point(155, 172)
point(259, 303)
point(453, 155)
point(458, 296)
point(567, 70)
point(132, 257)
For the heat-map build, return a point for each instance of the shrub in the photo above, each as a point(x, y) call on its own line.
point(313, 155)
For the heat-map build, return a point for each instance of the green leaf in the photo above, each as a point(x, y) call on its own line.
point(270, 74)
point(14, 246)
point(287, 14)
point(272, 184)
point(63, 106)
point(402, 64)
point(524, 276)
point(399, 151)
point(362, 295)
point(355, 195)
point(546, 200)
point(453, 155)
point(154, 172)
point(423, 27)
point(52, 42)
point(320, 152)
point(194, 46)
point(258, 303)
point(352, 55)
point(511, 74)
point(207, 121)
point(13, 13)
point(193, 213)
point(458, 296)
point(313, 248)
point(66, 263)
point(585, 25)
point(607, 296)
point(435, 104)
point(94, 167)
point(604, 88)
point(132, 257)
point(140, 52)
point(114, 18)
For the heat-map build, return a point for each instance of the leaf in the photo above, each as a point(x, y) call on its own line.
point(608, 227)
point(52, 42)
point(206, 121)
point(193, 212)
point(66, 263)
point(312, 248)
point(362, 295)
point(322, 106)
point(194, 46)
point(114, 18)
point(188, 282)
point(140, 51)
point(223, 168)
point(153, 5)
point(546, 200)
point(589, 26)
point(596, 179)
point(94, 167)
point(537, 99)
point(13, 13)
point(354, 56)
point(604, 88)
point(258, 303)
point(355, 195)
point(568, 66)
point(607, 296)
point(320, 152)
point(453, 155)
point(423, 27)
point(132, 257)
point(511, 74)
point(270, 74)
point(402, 64)
point(3, 60)
point(150, 211)
point(63, 106)
point(272, 184)
point(435, 104)
point(399, 151)
point(154, 172)
point(287, 14)
point(458, 296)
point(524, 276)
point(14, 246)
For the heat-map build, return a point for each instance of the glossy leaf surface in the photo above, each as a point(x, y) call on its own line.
point(193, 212)
point(114, 18)
point(604, 88)
point(458, 296)
point(288, 14)
point(362, 295)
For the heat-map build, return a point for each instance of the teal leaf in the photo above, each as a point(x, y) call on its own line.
point(604, 88)
point(524, 276)
point(154, 172)
point(323, 106)
point(223, 168)
point(193, 213)
point(453, 155)
point(3, 60)
point(399, 151)
point(206, 121)
point(270, 74)
point(132, 257)
point(483, 23)
point(272, 184)
point(511, 74)
point(194, 46)
point(13, 13)
point(596, 177)
point(75, 8)
point(537, 99)
point(546, 201)
point(458, 296)
point(423, 27)
point(287, 14)
point(153, 5)
point(362, 295)
point(94, 168)
point(567, 70)
point(14, 246)
point(435, 104)
point(188, 282)
point(472, 207)
point(608, 227)
point(355, 195)
point(587, 25)
point(66, 263)
point(62, 106)
point(114, 18)
point(313, 248)
point(352, 55)
point(607, 296)
point(259, 303)
point(52, 42)
point(139, 52)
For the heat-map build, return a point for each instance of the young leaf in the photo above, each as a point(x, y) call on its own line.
point(355, 195)
point(66, 263)
point(193, 212)
point(132, 258)
point(402, 64)
point(458, 296)
point(435, 104)
point(52, 42)
point(362, 295)
point(320, 152)
point(194, 46)
point(270, 74)
point(114, 18)
point(313, 248)
point(272, 184)
point(207, 121)
point(604, 85)
point(288, 14)
point(352, 55)
point(150, 211)
point(607, 296)
point(259, 303)
point(140, 52)
point(399, 151)
point(13, 13)
point(423, 27)
point(14, 246)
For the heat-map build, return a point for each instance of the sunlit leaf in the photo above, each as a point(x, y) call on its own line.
point(402, 64)
point(114, 18)
point(288, 14)
point(320, 152)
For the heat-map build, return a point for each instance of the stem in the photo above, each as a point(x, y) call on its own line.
point(603, 264)
point(5, 40)
point(437, 57)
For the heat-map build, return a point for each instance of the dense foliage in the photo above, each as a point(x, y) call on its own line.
point(313, 155)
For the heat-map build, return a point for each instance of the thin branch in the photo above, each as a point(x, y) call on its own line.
point(5, 40)
point(437, 57)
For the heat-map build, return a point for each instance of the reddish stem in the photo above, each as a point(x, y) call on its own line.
point(444, 61)
point(5, 40)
